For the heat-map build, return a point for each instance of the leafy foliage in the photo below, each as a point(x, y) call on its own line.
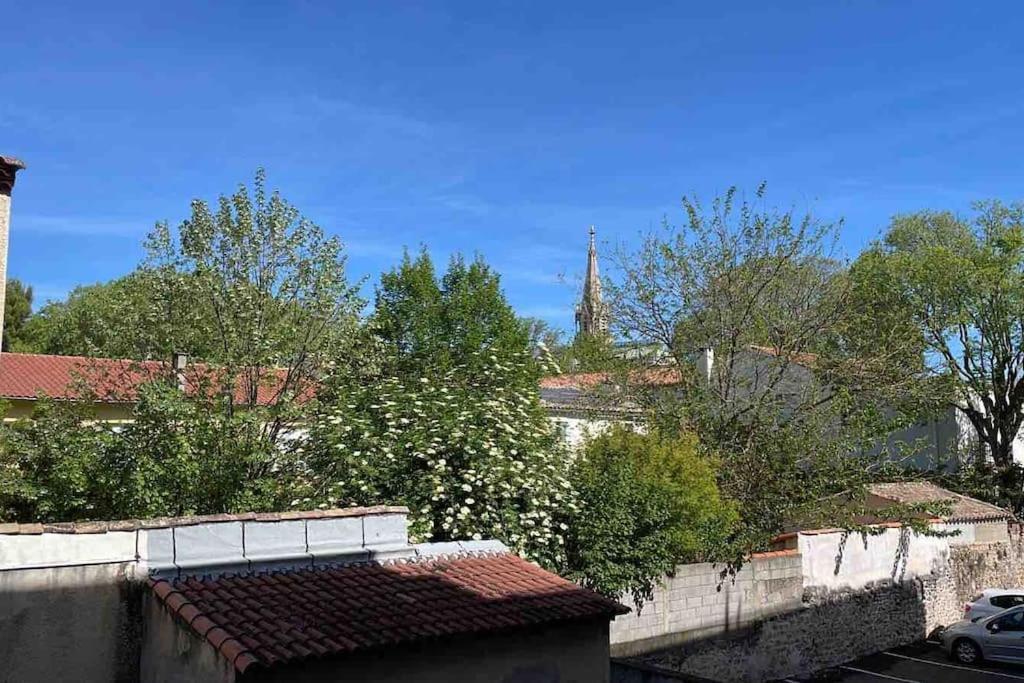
point(123, 318)
point(17, 309)
point(469, 450)
point(438, 324)
point(177, 456)
point(957, 287)
point(647, 503)
point(760, 289)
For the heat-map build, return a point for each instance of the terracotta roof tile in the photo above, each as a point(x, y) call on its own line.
point(113, 380)
point(290, 615)
point(964, 508)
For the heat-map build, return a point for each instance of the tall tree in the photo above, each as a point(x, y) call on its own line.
point(123, 318)
point(264, 287)
point(745, 297)
point(433, 324)
point(17, 309)
point(249, 285)
point(958, 282)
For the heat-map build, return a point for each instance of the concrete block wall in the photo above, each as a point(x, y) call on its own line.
point(699, 601)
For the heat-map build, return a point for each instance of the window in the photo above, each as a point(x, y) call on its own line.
point(1012, 622)
point(1006, 601)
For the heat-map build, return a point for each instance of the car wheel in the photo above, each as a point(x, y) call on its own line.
point(966, 651)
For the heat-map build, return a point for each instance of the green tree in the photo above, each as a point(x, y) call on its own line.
point(265, 289)
point(592, 353)
point(17, 309)
point(648, 502)
point(434, 324)
point(956, 285)
point(758, 292)
point(177, 456)
point(123, 318)
point(440, 411)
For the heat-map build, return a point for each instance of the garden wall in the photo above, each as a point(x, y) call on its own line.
point(834, 598)
point(698, 602)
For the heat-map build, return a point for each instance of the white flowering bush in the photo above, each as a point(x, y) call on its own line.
point(470, 452)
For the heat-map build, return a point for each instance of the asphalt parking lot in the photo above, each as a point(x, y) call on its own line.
point(919, 663)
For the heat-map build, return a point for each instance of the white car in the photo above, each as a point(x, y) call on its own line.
point(992, 601)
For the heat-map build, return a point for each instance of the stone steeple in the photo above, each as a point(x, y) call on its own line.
point(9, 166)
point(591, 313)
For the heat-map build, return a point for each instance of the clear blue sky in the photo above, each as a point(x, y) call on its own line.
point(500, 130)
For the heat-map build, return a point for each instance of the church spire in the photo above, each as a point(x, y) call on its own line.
point(591, 318)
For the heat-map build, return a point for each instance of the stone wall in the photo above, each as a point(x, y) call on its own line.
point(988, 565)
point(832, 627)
point(699, 601)
point(834, 598)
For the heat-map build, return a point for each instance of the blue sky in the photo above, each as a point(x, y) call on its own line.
point(503, 129)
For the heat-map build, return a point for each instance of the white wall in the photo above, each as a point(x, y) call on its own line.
point(576, 429)
point(836, 559)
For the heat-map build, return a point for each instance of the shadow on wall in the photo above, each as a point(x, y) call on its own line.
point(70, 624)
point(900, 556)
point(833, 627)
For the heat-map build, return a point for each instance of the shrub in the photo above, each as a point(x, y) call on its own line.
point(647, 503)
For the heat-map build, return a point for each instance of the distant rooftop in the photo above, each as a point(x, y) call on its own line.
point(29, 376)
point(964, 508)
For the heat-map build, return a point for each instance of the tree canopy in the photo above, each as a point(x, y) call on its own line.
point(947, 292)
point(432, 324)
point(17, 309)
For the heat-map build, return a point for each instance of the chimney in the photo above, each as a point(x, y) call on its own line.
point(179, 361)
point(9, 166)
point(705, 364)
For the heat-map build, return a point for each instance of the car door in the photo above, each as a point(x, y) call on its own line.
point(1004, 638)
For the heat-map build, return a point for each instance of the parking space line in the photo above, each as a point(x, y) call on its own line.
point(875, 673)
point(954, 666)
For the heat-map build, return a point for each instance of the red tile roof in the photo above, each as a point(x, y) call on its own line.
point(962, 508)
point(277, 617)
point(112, 380)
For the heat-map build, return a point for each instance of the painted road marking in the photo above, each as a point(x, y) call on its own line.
point(875, 673)
point(954, 666)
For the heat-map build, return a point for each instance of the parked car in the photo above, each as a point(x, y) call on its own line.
point(992, 601)
point(999, 637)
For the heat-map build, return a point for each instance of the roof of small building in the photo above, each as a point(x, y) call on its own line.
point(964, 508)
point(114, 380)
point(273, 618)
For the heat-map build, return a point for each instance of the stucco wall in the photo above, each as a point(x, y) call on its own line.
point(172, 653)
point(71, 624)
point(576, 429)
point(563, 653)
point(698, 602)
point(836, 560)
point(103, 412)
